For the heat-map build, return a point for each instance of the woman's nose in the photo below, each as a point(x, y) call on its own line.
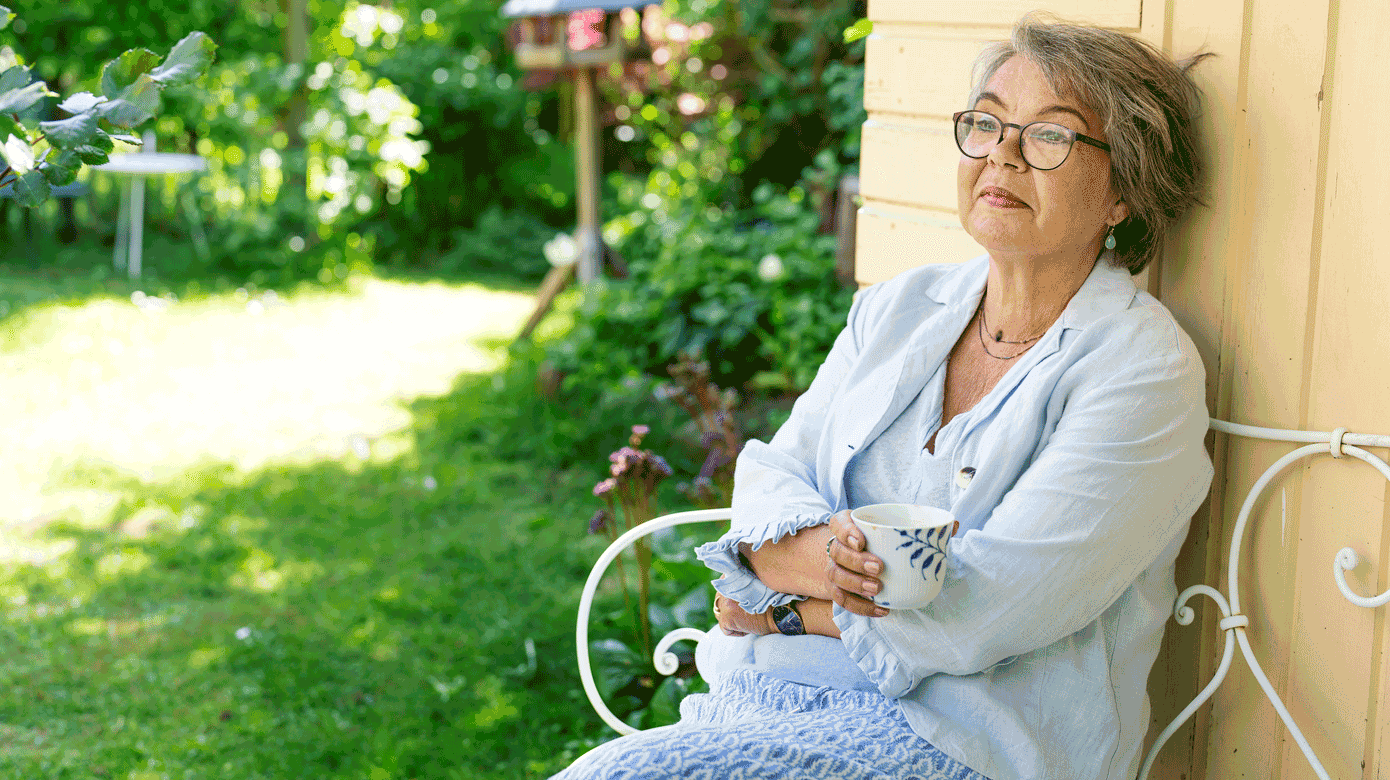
point(1006, 152)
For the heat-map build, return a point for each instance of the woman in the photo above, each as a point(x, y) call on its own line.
point(1033, 392)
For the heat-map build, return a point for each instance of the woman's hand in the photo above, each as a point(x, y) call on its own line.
point(733, 621)
point(825, 562)
point(851, 573)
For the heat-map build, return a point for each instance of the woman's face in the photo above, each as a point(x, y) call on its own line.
point(1015, 211)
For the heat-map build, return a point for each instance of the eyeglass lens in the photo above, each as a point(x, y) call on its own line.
point(1045, 145)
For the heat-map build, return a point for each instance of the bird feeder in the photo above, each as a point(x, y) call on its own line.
point(577, 36)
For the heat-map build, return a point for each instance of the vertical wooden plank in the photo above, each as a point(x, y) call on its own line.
point(1186, 658)
point(1285, 51)
point(1206, 261)
point(1378, 739)
point(1335, 653)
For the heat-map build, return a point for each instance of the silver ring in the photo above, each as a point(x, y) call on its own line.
point(833, 540)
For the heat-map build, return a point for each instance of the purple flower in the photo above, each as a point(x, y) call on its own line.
point(641, 430)
point(600, 520)
point(623, 460)
point(605, 486)
point(660, 466)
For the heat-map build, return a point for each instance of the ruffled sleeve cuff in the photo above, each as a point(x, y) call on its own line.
point(872, 654)
point(739, 583)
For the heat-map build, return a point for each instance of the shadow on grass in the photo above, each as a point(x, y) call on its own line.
point(358, 618)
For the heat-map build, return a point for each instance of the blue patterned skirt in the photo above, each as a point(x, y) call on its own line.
point(756, 726)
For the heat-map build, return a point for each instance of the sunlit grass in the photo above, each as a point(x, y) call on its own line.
point(147, 387)
point(237, 541)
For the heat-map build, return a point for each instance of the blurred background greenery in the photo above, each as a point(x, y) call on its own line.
point(293, 504)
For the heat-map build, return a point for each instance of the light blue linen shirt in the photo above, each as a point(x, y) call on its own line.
point(1089, 463)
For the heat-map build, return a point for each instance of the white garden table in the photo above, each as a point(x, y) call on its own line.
point(130, 225)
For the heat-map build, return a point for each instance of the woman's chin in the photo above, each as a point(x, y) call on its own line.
point(999, 243)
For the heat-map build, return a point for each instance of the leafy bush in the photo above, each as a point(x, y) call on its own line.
point(503, 241)
point(40, 154)
point(746, 295)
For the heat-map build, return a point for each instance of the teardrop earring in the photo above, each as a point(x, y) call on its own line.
point(1110, 238)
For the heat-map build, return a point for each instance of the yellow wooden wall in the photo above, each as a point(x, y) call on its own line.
point(1283, 282)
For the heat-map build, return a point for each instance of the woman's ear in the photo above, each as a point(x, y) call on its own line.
point(1118, 213)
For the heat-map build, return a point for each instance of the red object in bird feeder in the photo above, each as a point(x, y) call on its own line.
point(578, 36)
point(570, 33)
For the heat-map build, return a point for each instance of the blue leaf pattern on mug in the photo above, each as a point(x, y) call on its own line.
point(928, 546)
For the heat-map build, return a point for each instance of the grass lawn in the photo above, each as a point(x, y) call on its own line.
point(253, 535)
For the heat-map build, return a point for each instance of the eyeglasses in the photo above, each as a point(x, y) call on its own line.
point(1043, 145)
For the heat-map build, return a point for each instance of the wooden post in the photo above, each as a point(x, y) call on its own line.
point(297, 108)
point(586, 154)
point(553, 285)
point(296, 53)
point(846, 213)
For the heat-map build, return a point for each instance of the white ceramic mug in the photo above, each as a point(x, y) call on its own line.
point(911, 542)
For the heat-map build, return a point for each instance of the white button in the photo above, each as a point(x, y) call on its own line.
point(964, 476)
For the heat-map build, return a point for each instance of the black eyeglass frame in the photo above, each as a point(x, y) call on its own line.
point(1003, 128)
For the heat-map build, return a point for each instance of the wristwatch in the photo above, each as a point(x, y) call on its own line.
point(788, 620)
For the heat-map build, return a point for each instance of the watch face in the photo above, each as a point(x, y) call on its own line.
point(788, 620)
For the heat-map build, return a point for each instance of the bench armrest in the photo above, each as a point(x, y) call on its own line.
point(662, 658)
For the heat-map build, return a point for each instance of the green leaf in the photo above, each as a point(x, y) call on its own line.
point(8, 126)
point(5, 16)
point(31, 189)
point(102, 141)
point(80, 103)
point(58, 174)
point(14, 78)
point(136, 103)
point(614, 665)
point(67, 133)
point(18, 154)
point(665, 708)
point(93, 153)
point(15, 100)
point(188, 60)
point(122, 72)
point(859, 29)
point(127, 138)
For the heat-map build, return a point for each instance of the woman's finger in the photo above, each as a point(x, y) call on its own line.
point(858, 584)
point(857, 604)
point(847, 549)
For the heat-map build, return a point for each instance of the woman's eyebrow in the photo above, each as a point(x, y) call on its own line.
point(993, 98)
point(1066, 110)
point(990, 96)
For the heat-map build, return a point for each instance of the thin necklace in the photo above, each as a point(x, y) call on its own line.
point(1000, 338)
point(981, 331)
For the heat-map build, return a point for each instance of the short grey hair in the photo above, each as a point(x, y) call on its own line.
point(1147, 103)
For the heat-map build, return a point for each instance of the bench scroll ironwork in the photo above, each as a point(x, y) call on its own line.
point(1339, 444)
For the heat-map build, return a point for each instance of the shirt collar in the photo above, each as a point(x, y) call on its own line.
point(1107, 290)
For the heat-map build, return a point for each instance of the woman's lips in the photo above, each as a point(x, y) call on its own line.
point(1001, 198)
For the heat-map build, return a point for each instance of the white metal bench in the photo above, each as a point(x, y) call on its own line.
point(1338, 444)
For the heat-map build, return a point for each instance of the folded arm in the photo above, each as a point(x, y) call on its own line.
point(780, 512)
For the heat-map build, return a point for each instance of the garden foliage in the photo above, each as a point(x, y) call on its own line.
point(749, 114)
point(40, 154)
